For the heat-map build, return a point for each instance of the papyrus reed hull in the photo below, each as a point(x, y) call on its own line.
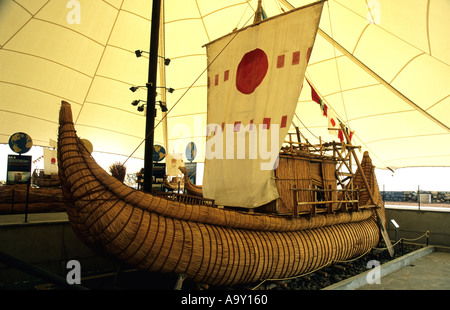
point(209, 245)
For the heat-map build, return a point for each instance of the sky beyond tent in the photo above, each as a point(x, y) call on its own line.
point(382, 67)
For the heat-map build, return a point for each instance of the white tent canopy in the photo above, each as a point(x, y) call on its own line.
point(381, 66)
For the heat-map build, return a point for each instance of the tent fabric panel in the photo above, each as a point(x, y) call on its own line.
point(190, 36)
point(407, 152)
point(45, 59)
point(438, 29)
point(112, 119)
point(441, 111)
point(12, 18)
point(24, 123)
point(118, 94)
point(41, 39)
point(97, 18)
point(44, 75)
point(386, 59)
point(114, 142)
point(122, 65)
point(425, 81)
point(191, 102)
point(131, 32)
point(26, 103)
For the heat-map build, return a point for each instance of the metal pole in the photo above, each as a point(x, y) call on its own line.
point(418, 195)
point(151, 96)
point(26, 201)
point(12, 202)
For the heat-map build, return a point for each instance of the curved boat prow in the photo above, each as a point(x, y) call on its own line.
point(192, 189)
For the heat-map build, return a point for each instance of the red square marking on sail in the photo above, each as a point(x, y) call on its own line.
point(266, 123)
point(251, 125)
point(226, 75)
point(237, 126)
point(216, 82)
point(283, 121)
point(296, 58)
point(280, 61)
point(223, 126)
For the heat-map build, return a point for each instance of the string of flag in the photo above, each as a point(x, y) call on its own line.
point(333, 121)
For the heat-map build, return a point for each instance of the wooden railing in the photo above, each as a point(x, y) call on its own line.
point(188, 199)
point(350, 201)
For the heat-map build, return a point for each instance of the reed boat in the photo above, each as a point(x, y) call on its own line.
point(167, 185)
point(253, 223)
point(20, 198)
point(45, 180)
point(191, 189)
point(212, 245)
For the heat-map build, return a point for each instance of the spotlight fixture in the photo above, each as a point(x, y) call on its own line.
point(135, 88)
point(169, 89)
point(163, 106)
point(139, 54)
point(140, 108)
point(135, 102)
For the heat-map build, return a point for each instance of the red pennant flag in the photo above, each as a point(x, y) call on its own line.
point(315, 97)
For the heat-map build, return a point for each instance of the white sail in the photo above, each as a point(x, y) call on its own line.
point(254, 82)
point(50, 161)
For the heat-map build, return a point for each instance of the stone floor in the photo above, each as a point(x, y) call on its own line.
point(431, 272)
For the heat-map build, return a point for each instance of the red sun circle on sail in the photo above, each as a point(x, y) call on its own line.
point(251, 71)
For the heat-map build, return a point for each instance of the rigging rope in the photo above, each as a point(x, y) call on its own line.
point(306, 128)
point(337, 68)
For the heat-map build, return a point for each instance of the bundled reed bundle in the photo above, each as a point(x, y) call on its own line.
point(13, 199)
point(192, 189)
point(118, 170)
point(42, 180)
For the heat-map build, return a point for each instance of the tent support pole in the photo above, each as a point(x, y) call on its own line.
point(151, 96)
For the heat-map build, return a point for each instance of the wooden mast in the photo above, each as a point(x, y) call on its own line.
point(258, 13)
